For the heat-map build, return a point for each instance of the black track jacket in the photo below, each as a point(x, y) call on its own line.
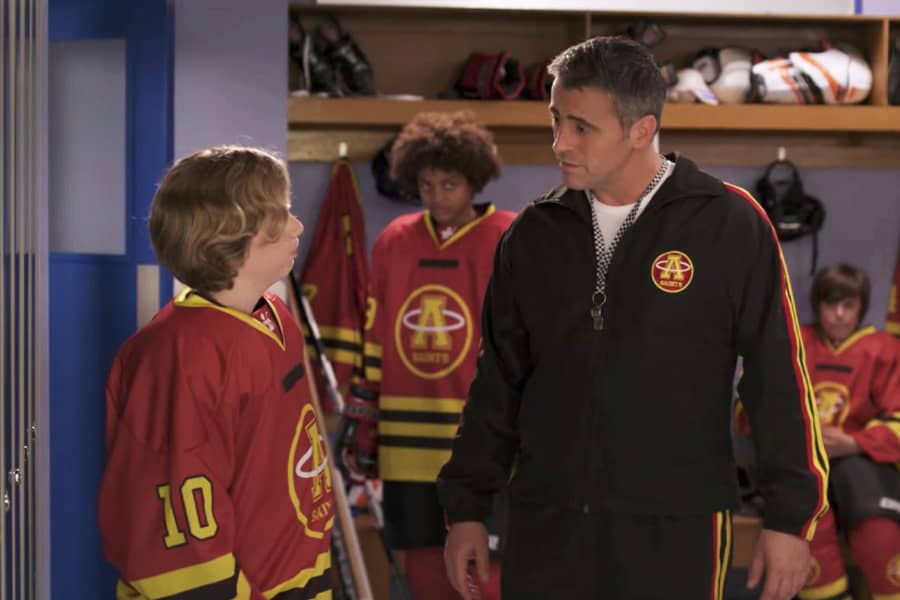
point(636, 417)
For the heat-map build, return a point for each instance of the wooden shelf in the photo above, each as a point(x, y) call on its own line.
point(765, 117)
point(725, 135)
point(378, 112)
point(381, 112)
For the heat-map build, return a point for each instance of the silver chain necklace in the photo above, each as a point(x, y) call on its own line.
point(604, 255)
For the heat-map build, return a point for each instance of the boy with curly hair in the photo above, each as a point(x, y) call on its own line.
point(429, 273)
point(215, 482)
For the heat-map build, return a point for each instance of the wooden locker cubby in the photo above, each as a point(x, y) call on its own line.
point(420, 51)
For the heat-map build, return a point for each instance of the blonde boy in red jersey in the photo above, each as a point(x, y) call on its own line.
point(215, 483)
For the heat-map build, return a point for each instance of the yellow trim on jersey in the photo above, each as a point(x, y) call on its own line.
point(825, 591)
point(894, 596)
point(421, 403)
point(326, 595)
point(184, 579)
point(411, 464)
point(372, 374)
point(334, 332)
point(340, 355)
point(459, 232)
point(243, 587)
point(865, 331)
point(893, 426)
point(430, 430)
point(299, 581)
point(892, 328)
point(189, 298)
point(126, 592)
point(373, 350)
point(819, 455)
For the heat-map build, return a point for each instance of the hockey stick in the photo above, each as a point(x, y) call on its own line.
point(346, 540)
point(398, 581)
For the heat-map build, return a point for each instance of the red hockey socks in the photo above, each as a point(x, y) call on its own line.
point(427, 576)
point(875, 545)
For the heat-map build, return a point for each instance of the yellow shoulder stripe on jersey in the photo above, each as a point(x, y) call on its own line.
point(299, 581)
point(460, 232)
point(892, 328)
point(865, 331)
point(184, 579)
point(417, 403)
point(189, 298)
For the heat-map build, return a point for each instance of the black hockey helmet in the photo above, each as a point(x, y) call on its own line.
point(792, 211)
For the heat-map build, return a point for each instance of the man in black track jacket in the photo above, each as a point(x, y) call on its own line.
point(618, 305)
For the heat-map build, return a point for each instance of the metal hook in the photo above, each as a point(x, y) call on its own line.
point(342, 150)
point(782, 154)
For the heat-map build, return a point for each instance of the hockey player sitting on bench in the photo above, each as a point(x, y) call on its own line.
point(856, 381)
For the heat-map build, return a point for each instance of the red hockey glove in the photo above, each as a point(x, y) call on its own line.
point(358, 435)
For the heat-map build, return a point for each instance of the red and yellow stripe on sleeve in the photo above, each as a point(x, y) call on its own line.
point(217, 576)
point(816, 456)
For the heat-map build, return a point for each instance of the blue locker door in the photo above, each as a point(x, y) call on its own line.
point(93, 294)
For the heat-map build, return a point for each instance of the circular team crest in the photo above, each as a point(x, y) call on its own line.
point(309, 481)
point(893, 570)
point(672, 271)
point(832, 401)
point(433, 331)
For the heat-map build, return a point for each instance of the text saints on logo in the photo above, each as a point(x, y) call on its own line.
point(433, 331)
point(672, 271)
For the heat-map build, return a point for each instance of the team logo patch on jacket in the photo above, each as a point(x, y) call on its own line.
point(433, 331)
point(832, 401)
point(672, 271)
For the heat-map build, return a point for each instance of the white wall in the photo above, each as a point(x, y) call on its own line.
point(881, 7)
point(230, 74)
point(231, 84)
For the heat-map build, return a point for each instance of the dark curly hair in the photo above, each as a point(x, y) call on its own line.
point(452, 142)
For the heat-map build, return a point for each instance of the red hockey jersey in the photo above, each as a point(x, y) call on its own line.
point(857, 388)
point(335, 276)
point(215, 482)
point(423, 335)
